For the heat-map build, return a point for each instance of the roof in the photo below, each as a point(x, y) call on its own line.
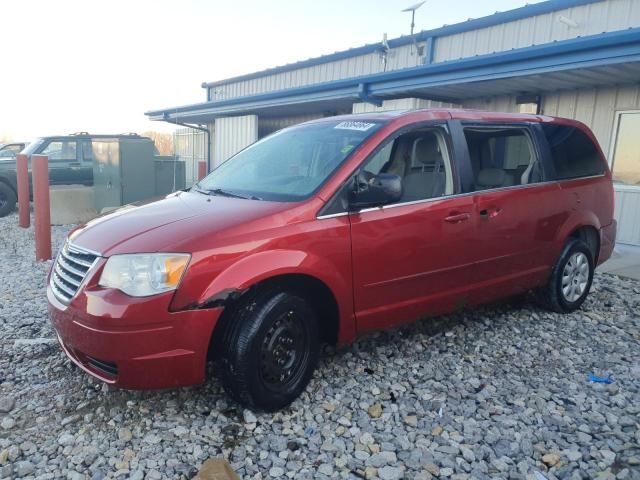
point(579, 62)
point(471, 24)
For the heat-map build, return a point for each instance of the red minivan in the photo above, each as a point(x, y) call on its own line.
point(328, 229)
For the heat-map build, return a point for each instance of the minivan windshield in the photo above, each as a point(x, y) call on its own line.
point(291, 164)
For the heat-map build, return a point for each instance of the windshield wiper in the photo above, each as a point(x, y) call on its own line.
point(226, 193)
point(197, 188)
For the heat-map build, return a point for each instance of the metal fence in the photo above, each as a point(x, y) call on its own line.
point(191, 147)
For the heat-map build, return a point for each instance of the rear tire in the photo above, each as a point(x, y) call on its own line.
point(8, 199)
point(570, 279)
point(270, 350)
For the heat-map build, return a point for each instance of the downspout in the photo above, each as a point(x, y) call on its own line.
point(365, 96)
point(195, 127)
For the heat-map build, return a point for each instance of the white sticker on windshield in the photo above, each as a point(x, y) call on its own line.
point(352, 125)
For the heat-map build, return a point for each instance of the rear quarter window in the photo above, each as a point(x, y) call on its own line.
point(573, 153)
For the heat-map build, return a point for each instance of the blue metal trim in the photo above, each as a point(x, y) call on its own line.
point(569, 53)
point(471, 24)
point(365, 96)
point(429, 50)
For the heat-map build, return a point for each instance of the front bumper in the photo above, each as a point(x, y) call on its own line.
point(134, 343)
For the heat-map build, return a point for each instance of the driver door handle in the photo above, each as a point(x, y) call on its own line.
point(457, 217)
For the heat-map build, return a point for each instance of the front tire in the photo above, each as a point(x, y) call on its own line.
point(570, 279)
point(270, 350)
point(8, 199)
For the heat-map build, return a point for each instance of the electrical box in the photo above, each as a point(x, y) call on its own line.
point(123, 170)
point(170, 175)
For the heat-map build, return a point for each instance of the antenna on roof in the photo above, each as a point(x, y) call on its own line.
point(384, 52)
point(413, 9)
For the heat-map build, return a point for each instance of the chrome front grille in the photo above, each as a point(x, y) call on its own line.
point(69, 271)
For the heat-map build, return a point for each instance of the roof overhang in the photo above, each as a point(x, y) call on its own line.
point(606, 59)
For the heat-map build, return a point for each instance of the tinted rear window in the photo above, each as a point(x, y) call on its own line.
point(574, 154)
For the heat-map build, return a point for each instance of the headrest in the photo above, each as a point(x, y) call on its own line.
point(491, 177)
point(426, 150)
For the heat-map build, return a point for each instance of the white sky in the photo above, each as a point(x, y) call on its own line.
point(97, 66)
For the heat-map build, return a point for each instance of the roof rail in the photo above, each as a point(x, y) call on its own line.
point(79, 133)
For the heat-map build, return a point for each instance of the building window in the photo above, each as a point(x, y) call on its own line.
point(625, 162)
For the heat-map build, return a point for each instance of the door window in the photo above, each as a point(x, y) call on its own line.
point(10, 151)
point(421, 159)
point(502, 157)
point(61, 150)
point(626, 154)
point(87, 151)
point(573, 153)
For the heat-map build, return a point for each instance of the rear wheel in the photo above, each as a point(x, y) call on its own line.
point(270, 350)
point(7, 199)
point(570, 279)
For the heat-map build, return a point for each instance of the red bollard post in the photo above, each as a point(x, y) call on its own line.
point(202, 170)
point(22, 173)
point(42, 214)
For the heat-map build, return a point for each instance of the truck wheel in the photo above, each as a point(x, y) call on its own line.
point(570, 279)
point(7, 199)
point(270, 350)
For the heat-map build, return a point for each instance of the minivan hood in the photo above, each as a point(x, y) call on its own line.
point(171, 224)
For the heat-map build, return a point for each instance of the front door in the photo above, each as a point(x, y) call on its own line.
point(64, 161)
point(412, 257)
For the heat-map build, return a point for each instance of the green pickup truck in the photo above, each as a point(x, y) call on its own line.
point(73, 160)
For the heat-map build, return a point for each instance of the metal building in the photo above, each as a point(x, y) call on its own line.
point(571, 58)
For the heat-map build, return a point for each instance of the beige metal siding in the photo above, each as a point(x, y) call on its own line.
point(269, 125)
point(232, 134)
point(401, 104)
point(628, 214)
point(401, 57)
point(505, 103)
point(592, 19)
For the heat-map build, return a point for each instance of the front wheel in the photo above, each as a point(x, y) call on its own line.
point(270, 350)
point(570, 279)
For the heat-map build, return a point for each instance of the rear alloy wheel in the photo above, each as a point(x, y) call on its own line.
point(570, 279)
point(7, 200)
point(270, 350)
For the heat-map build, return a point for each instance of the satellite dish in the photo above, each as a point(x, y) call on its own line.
point(413, 8)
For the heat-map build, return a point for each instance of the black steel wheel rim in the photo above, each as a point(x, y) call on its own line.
point(284, 352)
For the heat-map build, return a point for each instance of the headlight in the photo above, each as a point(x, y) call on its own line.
point(141, 275)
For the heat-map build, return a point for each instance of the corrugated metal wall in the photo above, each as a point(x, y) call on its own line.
point(591, 19)
point(401, 104)
point(628, 214)
point(400, 57)
point(190, 147)
point(232, 134)
point(268, 125)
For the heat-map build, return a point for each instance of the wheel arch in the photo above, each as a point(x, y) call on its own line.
point(312, 278)
point(584, 226)
point(10, 184)
point(590, 235)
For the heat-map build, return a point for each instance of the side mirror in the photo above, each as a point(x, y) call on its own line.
point(375, 190)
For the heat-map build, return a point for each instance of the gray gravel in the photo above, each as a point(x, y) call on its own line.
point(497, 392)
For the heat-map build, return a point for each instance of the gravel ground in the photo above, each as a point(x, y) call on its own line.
point(497, 392)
